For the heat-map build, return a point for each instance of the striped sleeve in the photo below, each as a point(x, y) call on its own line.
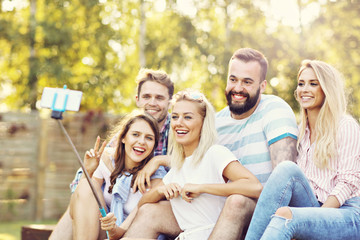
point(280, 121)
point(348, 173)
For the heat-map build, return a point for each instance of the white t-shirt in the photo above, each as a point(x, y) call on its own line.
point(102, 172)
point(204, 210)
point(132, 202)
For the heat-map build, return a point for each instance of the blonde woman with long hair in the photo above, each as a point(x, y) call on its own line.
point(202, 174)
point(319, 198)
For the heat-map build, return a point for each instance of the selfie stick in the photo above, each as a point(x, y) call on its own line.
point(57, 114)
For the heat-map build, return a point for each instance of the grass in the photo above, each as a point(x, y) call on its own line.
point(12, 230)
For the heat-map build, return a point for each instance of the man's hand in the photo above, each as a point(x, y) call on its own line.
point(143, 177)
point(92, 157)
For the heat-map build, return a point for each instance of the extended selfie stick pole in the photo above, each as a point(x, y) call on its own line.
point(57, 114)
point(83, 168)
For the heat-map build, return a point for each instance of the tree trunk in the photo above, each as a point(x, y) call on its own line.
point(32, 79)
point(142, 35)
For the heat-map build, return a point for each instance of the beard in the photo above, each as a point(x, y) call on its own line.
point(241, 108)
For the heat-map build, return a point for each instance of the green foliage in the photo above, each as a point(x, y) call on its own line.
point(338, 44)
point(93, 46)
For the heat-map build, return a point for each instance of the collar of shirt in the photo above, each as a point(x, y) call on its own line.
point(166, 125)
point(161, 149)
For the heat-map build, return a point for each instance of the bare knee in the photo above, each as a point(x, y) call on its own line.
point(284, 212)
point(84, 191)
point(148, 210)
point(238, 207)
point(234, 218)
point(159, 212)
point(162, 221)
point(83, 198)
point(238, 202)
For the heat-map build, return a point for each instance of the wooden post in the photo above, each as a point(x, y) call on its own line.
point(41, 170)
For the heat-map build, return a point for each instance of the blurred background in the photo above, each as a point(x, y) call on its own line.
point(98, 47)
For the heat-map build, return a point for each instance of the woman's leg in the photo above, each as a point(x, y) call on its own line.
point(153, 219)
point(287, 186)
point(63, 229)
point(316, 223)
point(84, 211)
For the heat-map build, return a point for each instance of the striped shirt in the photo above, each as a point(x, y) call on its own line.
point(249, 139)
point(342, 178)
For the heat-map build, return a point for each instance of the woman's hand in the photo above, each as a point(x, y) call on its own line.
point(190, 191)
point(92, 157)
point(170, 191)
point(108, 223)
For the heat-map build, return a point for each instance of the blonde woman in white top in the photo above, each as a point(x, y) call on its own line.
point(202, 174)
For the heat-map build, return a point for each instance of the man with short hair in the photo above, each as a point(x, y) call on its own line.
point(154, 92)
point(152, 87)
point(259, 129)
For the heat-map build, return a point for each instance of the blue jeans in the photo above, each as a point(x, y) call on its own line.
point(288, 186)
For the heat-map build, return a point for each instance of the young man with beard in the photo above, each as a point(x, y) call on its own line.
point(259, 129)
point(154, 92)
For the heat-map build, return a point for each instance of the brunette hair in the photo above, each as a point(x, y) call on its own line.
point(252, 55)
point(122, 129)
point(155, 76)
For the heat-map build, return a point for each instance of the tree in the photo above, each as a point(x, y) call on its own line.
point(98, 47)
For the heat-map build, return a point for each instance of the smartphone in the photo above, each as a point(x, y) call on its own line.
point(61, 99)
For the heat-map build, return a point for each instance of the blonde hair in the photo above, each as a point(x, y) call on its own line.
point(208, 134)
point(333, 108)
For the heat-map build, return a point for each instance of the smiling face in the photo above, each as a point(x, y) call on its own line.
point(139, 142)
point(186, 123)
point(243, 87)
point(309, 93)
point(154, 98)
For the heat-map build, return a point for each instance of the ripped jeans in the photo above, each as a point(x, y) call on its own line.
point(288, 186)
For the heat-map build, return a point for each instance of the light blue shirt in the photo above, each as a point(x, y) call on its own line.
point(121, 191)
point(249, 139)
